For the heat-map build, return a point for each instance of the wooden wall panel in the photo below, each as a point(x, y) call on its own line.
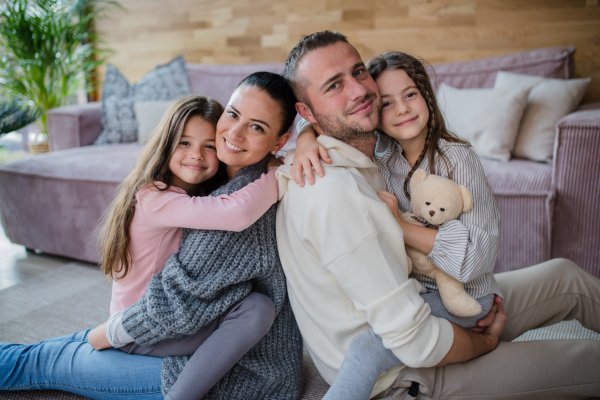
point(151, 32)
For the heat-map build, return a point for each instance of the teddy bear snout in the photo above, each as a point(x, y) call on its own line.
point(431, 213)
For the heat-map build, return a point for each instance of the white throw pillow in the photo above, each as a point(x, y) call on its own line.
point(147, 115)
point(487, 118)
point(549, 100)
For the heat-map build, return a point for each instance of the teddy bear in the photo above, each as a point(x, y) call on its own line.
point(435, 200)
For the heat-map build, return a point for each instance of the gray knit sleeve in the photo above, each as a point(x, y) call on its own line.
point(163, 311)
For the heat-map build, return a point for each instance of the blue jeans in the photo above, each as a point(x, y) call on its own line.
point(69, 363)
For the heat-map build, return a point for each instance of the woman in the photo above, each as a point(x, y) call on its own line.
point(214, 268)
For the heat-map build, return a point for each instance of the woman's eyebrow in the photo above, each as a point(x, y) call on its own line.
point(262, 122)
point(251, 119)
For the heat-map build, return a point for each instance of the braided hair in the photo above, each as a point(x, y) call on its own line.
point(436, 127)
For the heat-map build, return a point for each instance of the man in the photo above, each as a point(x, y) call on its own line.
point(346, 271)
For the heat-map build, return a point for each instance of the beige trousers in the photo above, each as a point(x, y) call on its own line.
point(541, 295)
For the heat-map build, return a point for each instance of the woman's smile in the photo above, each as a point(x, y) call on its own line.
point(232, 148)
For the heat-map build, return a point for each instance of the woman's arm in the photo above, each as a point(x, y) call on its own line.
point(308, 154)
point(234, 212)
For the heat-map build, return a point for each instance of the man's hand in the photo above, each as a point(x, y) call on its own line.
point(486, 321)
point(97, 338)
point(494, 331)
point(468, 345)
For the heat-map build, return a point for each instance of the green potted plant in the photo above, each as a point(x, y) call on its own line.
point(49, 50)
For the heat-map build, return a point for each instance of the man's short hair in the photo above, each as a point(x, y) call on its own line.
point(307, 44)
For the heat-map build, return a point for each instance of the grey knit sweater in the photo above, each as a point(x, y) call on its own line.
point(212, 271)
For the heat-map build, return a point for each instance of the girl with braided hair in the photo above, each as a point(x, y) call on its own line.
point(412, 134)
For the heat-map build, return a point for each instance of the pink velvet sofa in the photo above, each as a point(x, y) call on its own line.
point(53, 202)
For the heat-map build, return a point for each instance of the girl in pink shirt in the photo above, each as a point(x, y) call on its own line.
point(143, 227)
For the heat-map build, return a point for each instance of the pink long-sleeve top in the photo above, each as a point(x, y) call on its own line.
point(161, 215)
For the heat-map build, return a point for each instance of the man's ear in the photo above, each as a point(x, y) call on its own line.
point(305, 112)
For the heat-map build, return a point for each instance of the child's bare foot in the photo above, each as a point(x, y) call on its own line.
point(97, 338)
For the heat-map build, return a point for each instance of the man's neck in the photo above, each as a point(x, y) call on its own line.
point(365, 144)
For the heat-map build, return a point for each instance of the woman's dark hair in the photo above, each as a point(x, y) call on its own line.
point(279, 90)
point(436, 127)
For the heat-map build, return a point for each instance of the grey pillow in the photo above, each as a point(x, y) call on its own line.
point(165, 82)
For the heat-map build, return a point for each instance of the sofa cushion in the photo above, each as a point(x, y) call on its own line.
point(165, 82)
point(109, 163)
point(148, 115)
point(553, 62)
point(519, 177)
point(549, 100)
point(487, 118)
point(525, 198)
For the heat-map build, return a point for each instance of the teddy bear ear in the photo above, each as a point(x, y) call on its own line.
point(467, 198)
point(418, 176)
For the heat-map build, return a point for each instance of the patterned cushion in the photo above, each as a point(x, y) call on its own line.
point(165, 82)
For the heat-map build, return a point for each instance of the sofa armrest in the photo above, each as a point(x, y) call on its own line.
point(576, 178)
point(74, 126)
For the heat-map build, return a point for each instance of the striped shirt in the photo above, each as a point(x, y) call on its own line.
point(464, 248)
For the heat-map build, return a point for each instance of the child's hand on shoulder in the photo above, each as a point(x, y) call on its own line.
point(97, 338)
point(391, 201)
point(308, 155)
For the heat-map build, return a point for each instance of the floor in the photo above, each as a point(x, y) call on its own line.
point(18, 264)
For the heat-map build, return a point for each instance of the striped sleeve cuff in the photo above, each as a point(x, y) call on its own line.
point(450, 248)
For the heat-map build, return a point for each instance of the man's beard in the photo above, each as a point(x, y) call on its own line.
point(348, 132)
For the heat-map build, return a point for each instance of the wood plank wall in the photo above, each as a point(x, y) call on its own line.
point(151, 32)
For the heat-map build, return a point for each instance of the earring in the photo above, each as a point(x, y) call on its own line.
point(274, 152)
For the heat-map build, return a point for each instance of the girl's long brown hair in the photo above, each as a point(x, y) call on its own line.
point(436, 127)
point(152, 166)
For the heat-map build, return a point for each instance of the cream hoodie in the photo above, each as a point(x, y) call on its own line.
point(344, 258)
